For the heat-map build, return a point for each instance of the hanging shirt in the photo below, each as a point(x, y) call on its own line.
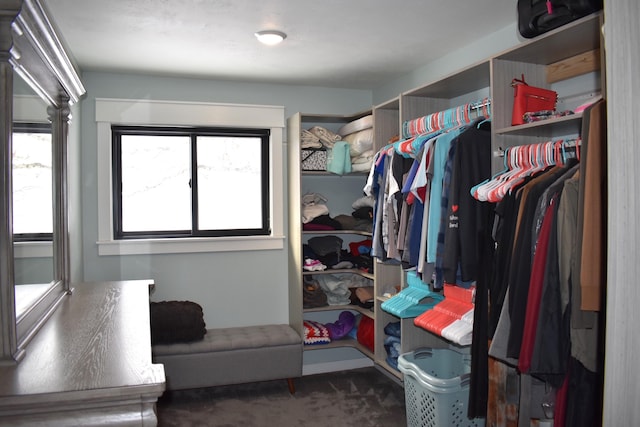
point(442, 146)
point(467, 218)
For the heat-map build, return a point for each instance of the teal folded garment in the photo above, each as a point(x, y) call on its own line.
point(339, 159)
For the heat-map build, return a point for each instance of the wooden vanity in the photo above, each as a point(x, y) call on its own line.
point(90, 364)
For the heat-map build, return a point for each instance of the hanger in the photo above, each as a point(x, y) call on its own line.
point(524, 155)
point(523, 161)
point(512, 167)
point(451, 117)
point(570, 150)
point(518, 162)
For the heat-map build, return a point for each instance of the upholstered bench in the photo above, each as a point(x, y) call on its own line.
point(233, 356)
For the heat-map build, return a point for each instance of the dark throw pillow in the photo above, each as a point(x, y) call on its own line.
point(176, 322)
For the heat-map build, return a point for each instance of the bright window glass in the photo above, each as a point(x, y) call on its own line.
point(32, 183)
point(155, 183)
point(229, 182)
point(190, 182)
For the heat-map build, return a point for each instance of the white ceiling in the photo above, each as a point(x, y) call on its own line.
point(356, 44)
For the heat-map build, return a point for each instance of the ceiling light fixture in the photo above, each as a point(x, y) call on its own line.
point(270, 37)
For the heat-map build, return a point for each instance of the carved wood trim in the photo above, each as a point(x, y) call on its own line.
point(30, 47)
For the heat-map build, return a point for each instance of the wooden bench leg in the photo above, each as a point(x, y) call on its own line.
point(292, 387)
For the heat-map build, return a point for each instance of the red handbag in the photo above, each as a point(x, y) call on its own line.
point(528, 99)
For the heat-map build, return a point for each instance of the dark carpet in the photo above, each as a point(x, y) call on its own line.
point(360, 397)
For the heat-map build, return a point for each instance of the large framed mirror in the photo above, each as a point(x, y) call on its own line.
point(39, 83)
point(32, 204)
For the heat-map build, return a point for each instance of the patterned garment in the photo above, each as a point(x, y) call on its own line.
point(536, 116)
point(315, 333)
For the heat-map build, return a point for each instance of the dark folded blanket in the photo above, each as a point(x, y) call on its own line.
point(176, 321)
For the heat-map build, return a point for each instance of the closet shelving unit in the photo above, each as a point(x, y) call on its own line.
point(467, 85)
point(557, 60)
point(341, 191)
point(546, 61)
point(386, 125)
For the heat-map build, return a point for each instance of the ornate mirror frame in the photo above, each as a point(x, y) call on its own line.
point(30, 47)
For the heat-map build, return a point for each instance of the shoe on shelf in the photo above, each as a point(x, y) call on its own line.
point(313, 265)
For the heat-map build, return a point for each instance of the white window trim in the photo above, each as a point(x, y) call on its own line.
point(32, 249)
point(177, 113)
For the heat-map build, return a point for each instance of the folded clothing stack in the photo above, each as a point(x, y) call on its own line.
point(392, 343)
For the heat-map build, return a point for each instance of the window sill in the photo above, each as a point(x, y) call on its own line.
point(32, 249)
point(190, 245)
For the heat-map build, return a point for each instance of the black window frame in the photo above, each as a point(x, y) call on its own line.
point(117, 131)
point(31, 127)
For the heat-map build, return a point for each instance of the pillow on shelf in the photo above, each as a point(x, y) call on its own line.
point(365, 122)
point(359, 142)
point(176, 322)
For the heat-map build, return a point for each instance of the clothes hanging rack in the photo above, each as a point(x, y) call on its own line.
point(525, 160)
point(570, 148)
point(445, 119)
point(416, 131)
point(486, 102)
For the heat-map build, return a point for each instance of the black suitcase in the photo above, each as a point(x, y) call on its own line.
point(536, 17)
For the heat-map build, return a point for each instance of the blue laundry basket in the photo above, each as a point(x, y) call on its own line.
point(436, 387)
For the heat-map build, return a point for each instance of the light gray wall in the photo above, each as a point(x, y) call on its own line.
point(234, 288)
point(479, 49)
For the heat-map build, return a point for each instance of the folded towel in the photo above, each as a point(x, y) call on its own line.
point(338, 158)
point(325, 136)
point(309, 140)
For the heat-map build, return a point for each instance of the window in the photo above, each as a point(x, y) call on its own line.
point(158, 114)
point(32, 182)
point(190, 182)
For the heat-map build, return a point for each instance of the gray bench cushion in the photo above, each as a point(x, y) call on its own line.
point(226, 339)
point(232, 356)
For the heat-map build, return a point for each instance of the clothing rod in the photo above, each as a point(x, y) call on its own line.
point(572, 144)
point(480, 104)
point(445, 119)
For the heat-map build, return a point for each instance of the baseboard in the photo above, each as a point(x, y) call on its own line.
point(342, 365)
point(390, 375)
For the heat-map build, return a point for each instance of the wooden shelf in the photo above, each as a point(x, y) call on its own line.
point(461, 82)
point(382, 298)
point(546, 128)
point(341, 191)
point(328, 232)
point(362, 310)
point(332, 118)
point(340, 271)
point(575, 38)
point(346, 175)
point(345, 342)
